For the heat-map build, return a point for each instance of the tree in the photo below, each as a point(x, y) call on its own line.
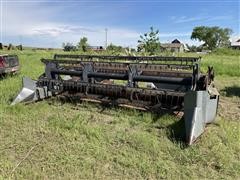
point(1, 46)
point(68, 47)
point(149, 42)
point(193, 48)
point(82, 45)
point(213, 37)
point(10, 46)
point(114, 48)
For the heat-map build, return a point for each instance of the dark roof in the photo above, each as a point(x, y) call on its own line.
point(176, 41)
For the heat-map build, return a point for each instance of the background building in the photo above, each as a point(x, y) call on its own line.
point(174, 46)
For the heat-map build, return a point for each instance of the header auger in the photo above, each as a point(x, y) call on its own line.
point(144, 82)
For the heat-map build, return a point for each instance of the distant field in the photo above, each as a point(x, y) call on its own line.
point(223, 64)
point(51, 140)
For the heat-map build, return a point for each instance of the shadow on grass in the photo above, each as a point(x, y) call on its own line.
point(176, 131)
point(231, 91)
point(5, 76)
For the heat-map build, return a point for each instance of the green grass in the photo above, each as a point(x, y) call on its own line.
point(51, 140)
point(223, 64)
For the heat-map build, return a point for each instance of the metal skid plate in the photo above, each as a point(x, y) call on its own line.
point(200, 108)
point(30, 92)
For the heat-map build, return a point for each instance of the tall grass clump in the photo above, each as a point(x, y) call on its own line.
point(227, 51)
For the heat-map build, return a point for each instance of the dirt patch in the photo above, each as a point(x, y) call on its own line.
point(229, 108)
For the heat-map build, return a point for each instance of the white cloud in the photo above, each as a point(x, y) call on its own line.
point(95, 35)
point(30, 20)
point(200, 18)
point(175, 34)
point(38, 25)
point(235, 37)
point(184, 19)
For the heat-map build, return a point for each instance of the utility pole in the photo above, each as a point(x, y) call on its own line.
point(106, 40)
point(20, 39)
point(1, 21)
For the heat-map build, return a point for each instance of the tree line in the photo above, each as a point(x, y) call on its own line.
point(84, 46)
point(212, 38)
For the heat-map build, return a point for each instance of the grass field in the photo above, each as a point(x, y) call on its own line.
point(50, 140)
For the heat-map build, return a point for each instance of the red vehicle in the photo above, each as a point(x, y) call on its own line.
point(9, 64)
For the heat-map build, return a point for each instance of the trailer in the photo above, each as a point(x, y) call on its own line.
point(143, 82)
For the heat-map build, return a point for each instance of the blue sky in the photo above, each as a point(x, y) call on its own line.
point(49, 23)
